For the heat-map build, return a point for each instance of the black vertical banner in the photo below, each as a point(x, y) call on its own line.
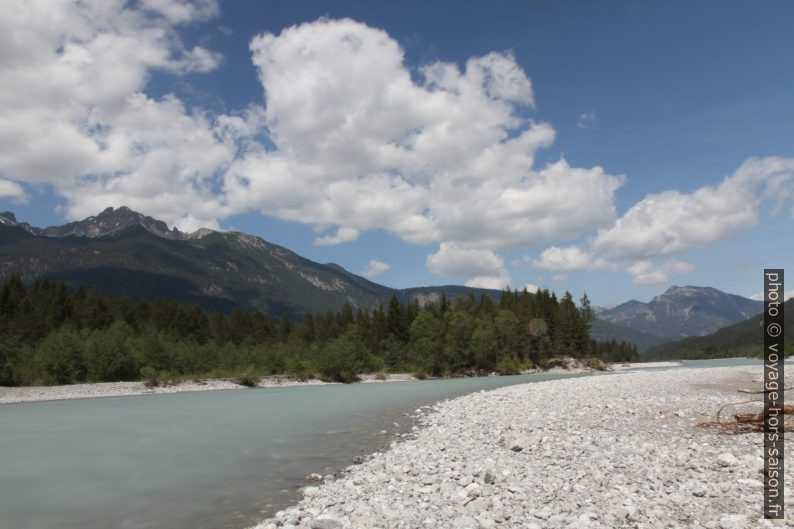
point(774, 296)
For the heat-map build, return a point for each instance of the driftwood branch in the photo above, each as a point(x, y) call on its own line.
point(748, 422)
point(757, 391)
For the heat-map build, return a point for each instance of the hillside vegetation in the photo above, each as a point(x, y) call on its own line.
point(49, 335)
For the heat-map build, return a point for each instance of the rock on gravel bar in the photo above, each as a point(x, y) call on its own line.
point(608, 451)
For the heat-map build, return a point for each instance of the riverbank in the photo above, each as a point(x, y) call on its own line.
point(590, 452)
point(13, 395)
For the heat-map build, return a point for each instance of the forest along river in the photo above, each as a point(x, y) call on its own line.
point(217, 459)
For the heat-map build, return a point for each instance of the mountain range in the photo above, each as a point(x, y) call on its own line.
point(125, 253)
point(744, 338)
point(683, 311)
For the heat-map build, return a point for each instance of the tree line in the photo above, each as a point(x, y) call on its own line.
point(51, 335)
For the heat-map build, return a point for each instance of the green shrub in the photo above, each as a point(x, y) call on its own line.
point(150, 377)
point(59, 357)
point(247, 379)
point(508, 365)
point(108, 355)
point(23, 370)
point(341, 359)
point(374, 364)
point(298, 368)
point(168, 378)
point(9, 352)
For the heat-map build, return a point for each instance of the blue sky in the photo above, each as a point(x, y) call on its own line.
point(616, 148)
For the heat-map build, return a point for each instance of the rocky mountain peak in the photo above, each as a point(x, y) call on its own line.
point(201, 233)
point(688, 292)
point(683, 311)
point(7, 217)
point(113, 222)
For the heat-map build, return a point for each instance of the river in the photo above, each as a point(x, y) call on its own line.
point(218, 459)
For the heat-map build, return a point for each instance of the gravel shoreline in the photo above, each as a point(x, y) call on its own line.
point(16, 395)
point(613, 451)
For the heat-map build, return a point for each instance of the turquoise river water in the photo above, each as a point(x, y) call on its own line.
point(217, 459)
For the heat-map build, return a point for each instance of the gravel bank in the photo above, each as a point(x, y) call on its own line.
point(618, 450)
point(643, 365)
point(15, 395)
point(124, 389)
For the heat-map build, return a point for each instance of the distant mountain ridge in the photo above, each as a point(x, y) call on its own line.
point(124, 253)
point(744, 338)
point(112, 222)
point(109, 223)
point(683, 311)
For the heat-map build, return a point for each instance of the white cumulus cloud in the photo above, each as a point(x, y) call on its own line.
point(181, 11)
point(487, 267)
point(570, 258)
point(13, 191)
point(342, 234)
point(644, 272)
point(376, 268)
point(586, 119)
point(451, 259)
point(498, 281)
point(438, 154)
point(672, 222)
